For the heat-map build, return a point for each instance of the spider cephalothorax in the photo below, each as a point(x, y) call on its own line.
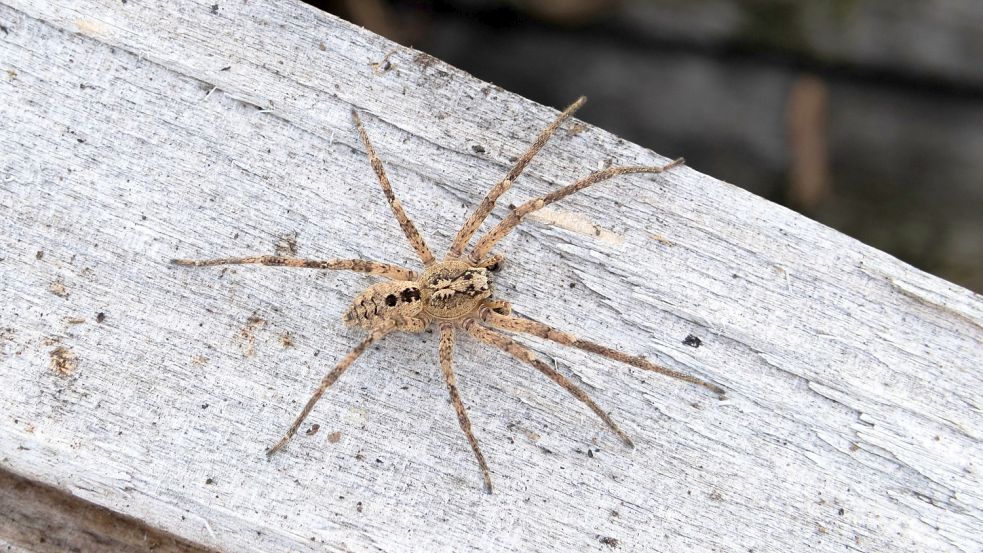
point(454, 288)
point(456, 293)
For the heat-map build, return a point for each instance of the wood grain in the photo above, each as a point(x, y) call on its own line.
point(136, 132)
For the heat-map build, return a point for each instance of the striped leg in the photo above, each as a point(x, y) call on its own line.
point(523, 354)
point(488, 241)
point(409, 229)
point(326, 383)
point(535, 328)
point(488, 203)
point(446, 365)
point(358, 265)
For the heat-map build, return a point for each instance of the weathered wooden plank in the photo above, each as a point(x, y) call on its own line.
point(39, 518)
point(131, 134)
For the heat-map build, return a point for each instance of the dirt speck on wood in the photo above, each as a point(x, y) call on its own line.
point(248, 334)
point(610, 542)
point(58, 288)
point(63, 360)
point(287, 340)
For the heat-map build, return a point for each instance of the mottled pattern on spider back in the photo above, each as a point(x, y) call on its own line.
point(453, 289)
point(393, 300)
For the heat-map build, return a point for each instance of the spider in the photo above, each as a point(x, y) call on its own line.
point(456, 293)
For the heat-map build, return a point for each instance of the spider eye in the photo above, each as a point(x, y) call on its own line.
point(495, 267)
point(391, 300)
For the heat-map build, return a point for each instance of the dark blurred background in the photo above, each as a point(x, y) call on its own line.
point(866, 115)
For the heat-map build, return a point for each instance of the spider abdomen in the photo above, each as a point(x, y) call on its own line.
point(394, 300)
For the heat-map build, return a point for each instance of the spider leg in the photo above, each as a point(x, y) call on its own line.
point(505, 226)
point(409, 229)
point(328, 380)
point(446, 365)
point(358, 265)
point(523, 354)
point(488, 203)
point(536, 328)
point(494, 262)
point(500, 307)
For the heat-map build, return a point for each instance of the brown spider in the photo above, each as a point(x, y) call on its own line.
point(457, 292)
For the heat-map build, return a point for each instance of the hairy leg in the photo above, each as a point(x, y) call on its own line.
point(523, 354)
point(488, 241)
point(488, 203)
point(409, 229)
point(446, 365)
point(327, 381)
point(358, 265)
point(536, 328)
point(494, 262)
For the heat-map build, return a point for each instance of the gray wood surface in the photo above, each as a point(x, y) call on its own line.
point(133, 133)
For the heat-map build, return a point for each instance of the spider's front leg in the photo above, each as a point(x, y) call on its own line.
point(357, 265)
point(494, 262)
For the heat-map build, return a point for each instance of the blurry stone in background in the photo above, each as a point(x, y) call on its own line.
point(865, 115)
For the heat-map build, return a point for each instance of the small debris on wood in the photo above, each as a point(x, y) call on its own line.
point(58, 288)
point(424, 60)
point(313, 429)
point(63, 360)
point(248, 333)
point(334, 437)
point(100, 317)
point(385, 65)
point(662, 239)
point(286, 340)
point(692, 341)
point(40, 255)
point(209, 481)
point(610, 542)
point(576, 128)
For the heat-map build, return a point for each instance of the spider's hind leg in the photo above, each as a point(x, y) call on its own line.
point(446, 366)
point(513, 348)
point(536, 328)
point(327, 381)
